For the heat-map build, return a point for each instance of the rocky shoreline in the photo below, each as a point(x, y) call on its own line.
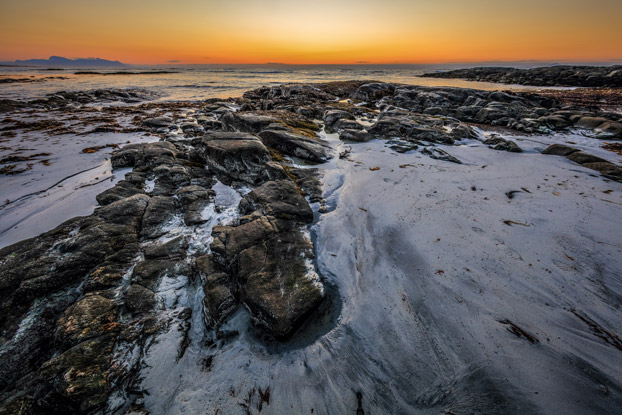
point(561, 75)
point(81, 305)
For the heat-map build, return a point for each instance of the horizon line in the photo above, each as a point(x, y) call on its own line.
point(361, 63)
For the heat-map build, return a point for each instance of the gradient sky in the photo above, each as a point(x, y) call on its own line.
point(314, 31)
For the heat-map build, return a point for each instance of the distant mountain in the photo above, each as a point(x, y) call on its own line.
point(60, 61)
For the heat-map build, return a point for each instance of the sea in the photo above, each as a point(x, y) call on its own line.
point(198, 82)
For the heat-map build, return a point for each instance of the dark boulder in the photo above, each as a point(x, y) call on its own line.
point(559, 150)
point(175, 248)
point(344, 124)
point(278, 286)
point(332, 116)
point(373, 91)
point(502, 144)
point(149, 154)
point(90, 317)
point(247, 121)
point(218, 302)
point(297, 145)
point(583, 158)
point(140, 300)
point(438, 154)
point(158, 122)
point(171, 176)
point(80, 373)
point(555, 121)
point(148, 273)
point(309, 181)
point(355, 135)
point(280, 199)
point(608, 170)
point(120, 191)
point(609, 129)
point(241, 156)
point(590, 122)
point(159, 211)
point(268, 262)
point(404, 126)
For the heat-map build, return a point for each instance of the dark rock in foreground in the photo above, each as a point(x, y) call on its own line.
point(297, 145)
point(267, 260)
point(239, 155)
point(498, 143)
point(91, 251)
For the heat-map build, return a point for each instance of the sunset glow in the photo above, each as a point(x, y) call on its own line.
point(254, 31)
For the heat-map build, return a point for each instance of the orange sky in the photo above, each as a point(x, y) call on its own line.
point(317, 31)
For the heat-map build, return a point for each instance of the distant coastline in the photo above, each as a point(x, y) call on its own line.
point(59, 61)
point(561, 75)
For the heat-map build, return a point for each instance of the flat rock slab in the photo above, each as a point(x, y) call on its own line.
point(247, 121)
point(604, 167)
point(144, 154)
point(241, 156)
point(281, 199)
point(292, 144)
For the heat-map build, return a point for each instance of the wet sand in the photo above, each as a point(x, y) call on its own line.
point(490, 286)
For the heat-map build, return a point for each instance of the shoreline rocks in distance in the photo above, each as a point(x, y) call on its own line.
point(560, 75)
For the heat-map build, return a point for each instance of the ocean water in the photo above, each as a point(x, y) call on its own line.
point(196, 82)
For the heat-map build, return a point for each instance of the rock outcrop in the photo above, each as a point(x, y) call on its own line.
point(80, 305)
point(267, 260)
point(560, 75)
point(605, 168)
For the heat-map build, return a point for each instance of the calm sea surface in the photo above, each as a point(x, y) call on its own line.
point(195, 82)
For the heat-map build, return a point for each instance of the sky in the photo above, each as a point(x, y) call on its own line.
point(312, 31)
